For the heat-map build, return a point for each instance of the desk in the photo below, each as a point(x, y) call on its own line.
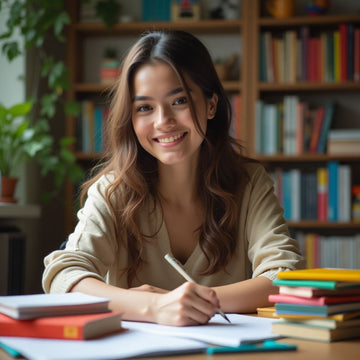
point(307, 350)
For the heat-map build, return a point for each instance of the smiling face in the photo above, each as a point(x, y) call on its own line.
point(162, 117)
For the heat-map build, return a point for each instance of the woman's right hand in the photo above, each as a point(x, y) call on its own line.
point(189, 304)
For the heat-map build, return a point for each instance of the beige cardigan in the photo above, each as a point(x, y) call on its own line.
point(264, 246)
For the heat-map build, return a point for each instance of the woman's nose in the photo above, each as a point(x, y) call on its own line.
point(164, 117)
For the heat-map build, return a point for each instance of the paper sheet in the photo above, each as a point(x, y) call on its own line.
point(142, 339)
point(242, 329)
point(120, 346)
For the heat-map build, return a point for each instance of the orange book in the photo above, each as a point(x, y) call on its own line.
point(72, 327)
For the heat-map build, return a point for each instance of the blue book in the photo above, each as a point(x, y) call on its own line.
point(320, 310)
point(286, 194)
point(333, 170)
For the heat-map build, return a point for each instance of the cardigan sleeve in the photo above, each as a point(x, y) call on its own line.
point(90, 249)
point(271, 249)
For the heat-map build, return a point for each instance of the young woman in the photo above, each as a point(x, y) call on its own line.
point(174, 182)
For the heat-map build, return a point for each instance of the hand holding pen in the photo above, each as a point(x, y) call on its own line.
point(187, 277)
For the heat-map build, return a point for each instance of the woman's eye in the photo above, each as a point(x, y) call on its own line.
point(143, 108)
point(180, 101)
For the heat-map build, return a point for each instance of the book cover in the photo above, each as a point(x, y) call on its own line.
point(74, 327)
point(309, 292)
point(319, 284)
point(337, 75)
point(324, 131)
point(318, 123)
point(322, 194)
point(333, 186)
point(346, 275)
point(302, 331)
point(327, 323)
point(350, 51)
point(343, 51)
point(42, 305)
point(321, 300)
point(357, 54)
point(322, 310)
point(341, 317)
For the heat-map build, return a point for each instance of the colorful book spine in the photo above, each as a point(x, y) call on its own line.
point(322, 194)
point(333, 170)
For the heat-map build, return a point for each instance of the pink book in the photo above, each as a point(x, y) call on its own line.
point(322, 300)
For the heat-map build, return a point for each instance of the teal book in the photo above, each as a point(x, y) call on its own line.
point(319, 310)
point(328, 118)
point(320, 284)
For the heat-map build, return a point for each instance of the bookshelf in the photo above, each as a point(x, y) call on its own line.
point(315, 93)
point(245, 34)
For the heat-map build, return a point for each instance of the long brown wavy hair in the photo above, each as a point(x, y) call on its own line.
point(222, 174)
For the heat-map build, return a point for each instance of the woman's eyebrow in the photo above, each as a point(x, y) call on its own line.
point(170, 93)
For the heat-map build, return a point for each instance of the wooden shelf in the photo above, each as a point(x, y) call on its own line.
point(202, 26)
point(308, 20)
point(103, 88)
point(307, 158)
point(308, 86)
point(17, 211)
point(313, 224)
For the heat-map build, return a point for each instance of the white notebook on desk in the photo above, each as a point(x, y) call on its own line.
point(144, 340)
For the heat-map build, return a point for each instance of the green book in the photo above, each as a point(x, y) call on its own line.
point(320, 284)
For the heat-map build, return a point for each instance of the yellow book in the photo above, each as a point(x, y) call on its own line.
point(336, 317)
point(322, 274)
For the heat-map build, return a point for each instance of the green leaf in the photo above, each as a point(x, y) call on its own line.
point(21, 109)
point(72, 108)
point(11, 50)
point(61, 20)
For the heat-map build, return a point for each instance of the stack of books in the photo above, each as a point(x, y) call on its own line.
point(71, 316)
point(318, 304)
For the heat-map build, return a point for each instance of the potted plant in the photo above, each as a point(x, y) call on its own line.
point(21, 141)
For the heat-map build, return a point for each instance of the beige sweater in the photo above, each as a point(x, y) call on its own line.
point(264, 246)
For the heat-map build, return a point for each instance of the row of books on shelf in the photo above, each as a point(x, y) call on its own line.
point(90, 127)
point(322, 194)
point(330, 251)
point(292, 127)
point(318, 304)
point(324, 56)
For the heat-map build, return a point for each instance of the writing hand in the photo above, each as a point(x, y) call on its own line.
point(189, 304)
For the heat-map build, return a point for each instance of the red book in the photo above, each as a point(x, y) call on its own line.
point(72, 327)
point(322, 300)
point(343, 52)
point(318, 120)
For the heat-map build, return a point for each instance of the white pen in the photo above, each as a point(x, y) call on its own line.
point(174, 263)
